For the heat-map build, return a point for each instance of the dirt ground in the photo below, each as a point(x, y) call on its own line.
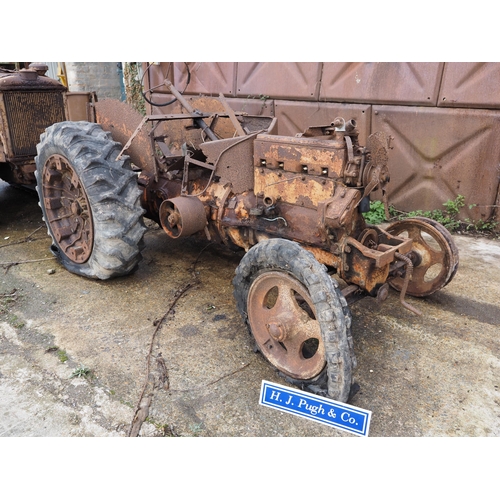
point(433, 375)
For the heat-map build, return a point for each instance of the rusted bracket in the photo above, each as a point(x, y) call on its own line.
point(350, 152)
point(199, 121)
point(132, 137)
point(408, 275)
point(220, 212)
point(185, 175)
point(232, 115)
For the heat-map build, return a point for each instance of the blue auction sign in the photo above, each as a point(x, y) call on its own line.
point(326, 411)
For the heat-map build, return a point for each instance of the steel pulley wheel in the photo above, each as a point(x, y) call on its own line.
point(90, 201)
point(298, 317)
point(433, 253)
point(182, 216)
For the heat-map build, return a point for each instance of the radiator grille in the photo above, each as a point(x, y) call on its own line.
point(28, 114)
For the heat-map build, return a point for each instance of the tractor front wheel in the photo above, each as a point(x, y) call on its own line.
point(299, 318)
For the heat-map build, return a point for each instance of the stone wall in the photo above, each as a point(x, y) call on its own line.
point(104, 78)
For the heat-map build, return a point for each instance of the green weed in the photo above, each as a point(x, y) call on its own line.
point(82, 371)
point(376, 215)
point(15, 321)
point(196, 429)
point(448, 216)
point(63, 357)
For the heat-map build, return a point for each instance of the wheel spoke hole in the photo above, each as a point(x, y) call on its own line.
point(303, 304)
point(433, 272)
point(431, 242)
point(271, 297)
point(309, 348)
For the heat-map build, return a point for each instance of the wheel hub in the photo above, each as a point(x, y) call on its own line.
point(277, 331)
point(67, 208)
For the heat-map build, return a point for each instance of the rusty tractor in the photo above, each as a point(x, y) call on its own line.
point(30, 102)
point(294, 204)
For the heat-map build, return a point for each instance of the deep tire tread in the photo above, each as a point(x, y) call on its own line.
point(113, 194)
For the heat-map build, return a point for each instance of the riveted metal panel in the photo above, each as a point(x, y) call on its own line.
point(441, 153)
point(206, 77)
point(287, 80)
point(385, 82)
point(294, 117)
point(250, 105)
point(474, 85)
point(253, 106)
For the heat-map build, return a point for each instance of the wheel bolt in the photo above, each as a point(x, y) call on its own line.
point(277, 331)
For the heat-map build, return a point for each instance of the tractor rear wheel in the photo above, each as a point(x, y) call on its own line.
point(299, 318)
point(90, 201)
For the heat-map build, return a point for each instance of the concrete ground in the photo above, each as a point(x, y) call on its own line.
point(433, 375)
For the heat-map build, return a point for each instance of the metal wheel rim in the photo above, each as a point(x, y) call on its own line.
point(287, 335)
point(67, 209)
point(428, 257)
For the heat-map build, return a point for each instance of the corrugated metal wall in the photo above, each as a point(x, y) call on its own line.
point(444, 117)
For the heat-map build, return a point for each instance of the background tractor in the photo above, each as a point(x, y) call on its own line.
point(30, 102)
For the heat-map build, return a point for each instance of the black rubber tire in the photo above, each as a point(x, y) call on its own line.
point(331, 310)
point(112, 192)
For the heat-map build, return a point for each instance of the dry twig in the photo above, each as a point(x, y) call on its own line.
point(27, 239)
point(152, 383)
point(159, 379)
point(8, 265)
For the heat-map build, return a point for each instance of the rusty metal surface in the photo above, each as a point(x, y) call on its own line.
point(182, 216)
point(283, 321)
point(433, 254)
point(439, 153)
point(472, 85)
point(81, 106)
point(181, 132)
point(292, 188)
point(318, 157)
point(154, 75)
point(253, 105)
point(233, 161)
point(427, 84)
point(69, 216)
point(121, 120)
point(206, 77)
point(382, 82)
point(292, 80)
point(27, 116)
point(27, 79)
point(295, 116)
point(29, 102)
